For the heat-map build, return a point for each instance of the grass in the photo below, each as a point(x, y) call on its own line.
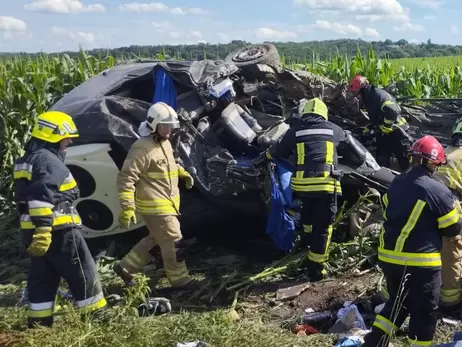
point(216, 328)
point(438, 63)
point(212, 314)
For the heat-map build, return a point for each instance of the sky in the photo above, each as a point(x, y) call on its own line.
point(58, 25)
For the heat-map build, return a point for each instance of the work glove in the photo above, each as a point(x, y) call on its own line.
point(367, 131)
point(41, 241)
point(126, 217)
point(386, 129)
point(189, 181)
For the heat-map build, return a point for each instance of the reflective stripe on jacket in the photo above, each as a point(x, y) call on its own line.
point(45, 191)
point(148, 181)
point(382, 109)
point(314, 142)
point(418, 211)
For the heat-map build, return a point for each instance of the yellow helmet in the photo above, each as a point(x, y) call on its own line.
point(54, 126)
point(315, 106)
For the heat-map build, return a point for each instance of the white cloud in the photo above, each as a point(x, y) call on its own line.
point(454, 29)
point(408, 27)
point(430, 4)
point(415, 41)
point(267, 33)
point(371, 32)
point(360, 7)
point(402, 17)
point(10, 24)
point(223, 37)
point(197, 10)
point(13, 28)
point(367, 10)
point(63, 6)
point(88, 39)
point(348, 30)
point(169, 30)
point(162, 26)
point(194, 34)
point(160, 7)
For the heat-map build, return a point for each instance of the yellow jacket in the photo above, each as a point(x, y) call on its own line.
point(148, 180)
point(451, 173)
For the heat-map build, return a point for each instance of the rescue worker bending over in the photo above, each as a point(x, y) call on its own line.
point(44, 191)
point(386, 122)
point(418, 210)
point(148, 183)
point(313, 140)
point(451, 176)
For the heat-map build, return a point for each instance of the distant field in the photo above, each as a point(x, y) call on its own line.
point(435, 63)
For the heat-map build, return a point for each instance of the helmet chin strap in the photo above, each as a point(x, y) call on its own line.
point(159, 138)
point(431, 168)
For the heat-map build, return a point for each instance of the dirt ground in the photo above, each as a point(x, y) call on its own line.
point(220, 266)
point(221, 263)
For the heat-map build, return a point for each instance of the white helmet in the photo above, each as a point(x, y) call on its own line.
point(161, 113)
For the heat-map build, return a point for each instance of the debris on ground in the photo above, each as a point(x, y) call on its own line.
point(305, 329)
point(350, 341)
point(291, 292)
point(191, 344)
point(348, 318)
point(154, 306)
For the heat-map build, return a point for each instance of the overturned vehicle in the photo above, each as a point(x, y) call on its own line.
point(230, 111)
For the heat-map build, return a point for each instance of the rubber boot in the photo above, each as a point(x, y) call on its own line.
point(193, 284)
point(124, 275)
point(315, 271)
point(376, 339)
point(454, 311)
point(44, 322)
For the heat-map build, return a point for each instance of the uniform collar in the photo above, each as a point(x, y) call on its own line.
point(34, 145)
point(420, 170)
point(366, 90)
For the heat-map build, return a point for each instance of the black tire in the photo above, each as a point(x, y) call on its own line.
point(255, 54)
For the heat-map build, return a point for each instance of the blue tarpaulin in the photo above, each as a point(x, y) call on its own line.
point(164, 89)
point(280, 226)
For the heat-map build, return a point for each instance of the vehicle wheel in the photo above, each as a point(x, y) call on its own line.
point(255, 54)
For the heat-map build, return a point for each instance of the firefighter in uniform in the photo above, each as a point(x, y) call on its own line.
point(451, 176)
point(418, 210)
point(44, 191)
point(315, 179)
point(387, 123)
point(148, 184)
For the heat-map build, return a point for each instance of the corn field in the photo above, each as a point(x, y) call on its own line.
point(30, 86)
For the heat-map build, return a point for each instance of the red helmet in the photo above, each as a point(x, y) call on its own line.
point(429, 148)
point(357, 83)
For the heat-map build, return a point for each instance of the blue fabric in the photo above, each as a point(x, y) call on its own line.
point(244, 162)
point(284, 173)
point(350, 341)
point(164, 88)
point(280, 227)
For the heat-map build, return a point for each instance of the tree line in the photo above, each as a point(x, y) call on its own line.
point(291, 51)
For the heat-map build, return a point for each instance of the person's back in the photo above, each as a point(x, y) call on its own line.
point(374, 99)
point(44, 192)
point(418, 211)
point(315, 178)
point(387, 123)
point(319, 153)
point(411, 224)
